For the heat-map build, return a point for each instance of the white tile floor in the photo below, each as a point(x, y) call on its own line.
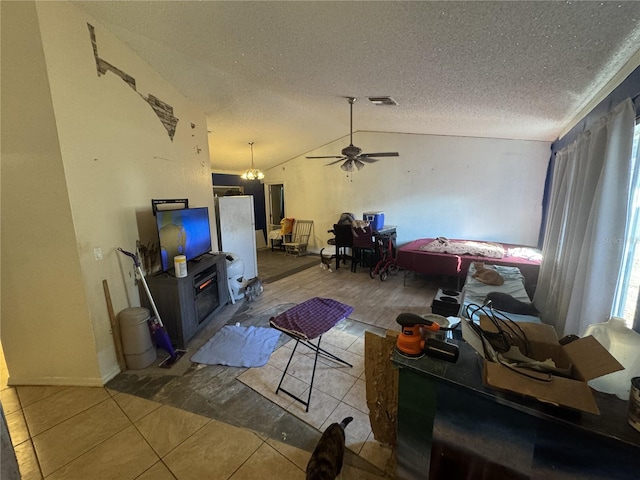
point(83, 433)
point(338, 390)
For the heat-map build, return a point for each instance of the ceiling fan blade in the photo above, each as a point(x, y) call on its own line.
point(351, 155)
point(337, 161)
point(382, 154)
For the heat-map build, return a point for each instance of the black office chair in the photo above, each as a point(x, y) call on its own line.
point(343, 240)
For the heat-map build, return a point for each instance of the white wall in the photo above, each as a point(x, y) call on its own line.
point(457, 187)
point(112, 157)
point(83, 155)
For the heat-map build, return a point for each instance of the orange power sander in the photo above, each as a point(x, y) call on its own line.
point(411, 344)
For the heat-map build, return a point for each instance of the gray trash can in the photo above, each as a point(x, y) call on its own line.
point(137, 346)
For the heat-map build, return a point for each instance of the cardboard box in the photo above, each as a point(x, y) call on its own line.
point(584, 358)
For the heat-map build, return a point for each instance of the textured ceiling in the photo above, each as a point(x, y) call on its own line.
point(277, 73)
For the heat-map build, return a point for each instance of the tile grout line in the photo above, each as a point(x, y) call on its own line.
point(247, 459)
point(132, 423)
point(88, 450)
point(30, 436)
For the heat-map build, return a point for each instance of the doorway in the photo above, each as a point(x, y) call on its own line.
point(276, 203)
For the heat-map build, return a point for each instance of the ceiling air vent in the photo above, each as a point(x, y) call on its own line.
point(382, 101)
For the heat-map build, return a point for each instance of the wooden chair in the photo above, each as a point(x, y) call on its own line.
point(275, 235)
point(364, 248)
point(300, 240)
point(280, 233)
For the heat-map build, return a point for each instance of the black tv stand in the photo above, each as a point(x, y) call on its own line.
point(186, 305)
point(199, 258)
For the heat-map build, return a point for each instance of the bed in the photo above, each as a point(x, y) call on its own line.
point(412, 257)
point(474, 292)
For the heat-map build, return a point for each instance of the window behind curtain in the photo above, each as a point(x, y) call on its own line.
point(626, 300)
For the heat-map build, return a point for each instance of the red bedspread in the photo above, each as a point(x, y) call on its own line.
point(410, 257)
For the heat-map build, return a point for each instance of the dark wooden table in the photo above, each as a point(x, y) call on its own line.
point(450, 426)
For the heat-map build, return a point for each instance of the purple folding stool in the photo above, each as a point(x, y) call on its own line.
point(305, 322)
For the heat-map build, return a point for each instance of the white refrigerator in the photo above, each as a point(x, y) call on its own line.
point(237, 230)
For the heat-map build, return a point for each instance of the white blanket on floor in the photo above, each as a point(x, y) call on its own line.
point(464, 247)
point(238, 346)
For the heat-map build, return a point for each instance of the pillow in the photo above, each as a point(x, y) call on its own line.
point(286, 226)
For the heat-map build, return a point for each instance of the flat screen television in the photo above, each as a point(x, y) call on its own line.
point(184, 231)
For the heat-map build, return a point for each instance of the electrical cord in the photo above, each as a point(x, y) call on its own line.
point(501, 340)
point(495, 315)
point(547, 376)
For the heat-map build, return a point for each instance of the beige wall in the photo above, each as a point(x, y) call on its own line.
point(45, 332)
point(457, 187)
point(89, 156)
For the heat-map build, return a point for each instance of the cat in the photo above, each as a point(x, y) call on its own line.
point(359, 225)
point(253, 289)
point(507, 303)
point(325, 262)
point(486, 275)
point(326, 460)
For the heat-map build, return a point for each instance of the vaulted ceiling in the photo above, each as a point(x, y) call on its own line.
point(277, 73)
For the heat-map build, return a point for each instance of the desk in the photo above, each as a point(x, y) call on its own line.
point(450, 426)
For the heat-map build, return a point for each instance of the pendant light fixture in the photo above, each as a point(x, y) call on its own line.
point(252, 173)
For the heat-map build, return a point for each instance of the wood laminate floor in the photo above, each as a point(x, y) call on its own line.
point(199, 421)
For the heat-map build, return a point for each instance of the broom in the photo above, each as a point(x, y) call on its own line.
point(160, 335)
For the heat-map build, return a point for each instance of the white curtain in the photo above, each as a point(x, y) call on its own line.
point(584, 237)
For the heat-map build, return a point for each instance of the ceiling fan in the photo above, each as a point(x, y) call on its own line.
point(352, 155)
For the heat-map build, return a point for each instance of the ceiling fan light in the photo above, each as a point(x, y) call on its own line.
point(358, 164)
point(347, 166)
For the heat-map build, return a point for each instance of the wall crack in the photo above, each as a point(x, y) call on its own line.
point(163, 110)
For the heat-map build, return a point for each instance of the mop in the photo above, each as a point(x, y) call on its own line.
point(158, 331)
